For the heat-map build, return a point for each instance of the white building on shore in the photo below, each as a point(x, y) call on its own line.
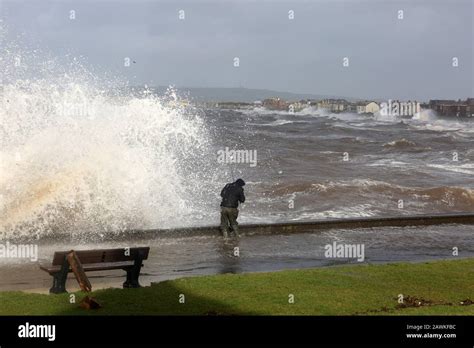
point(367, 107)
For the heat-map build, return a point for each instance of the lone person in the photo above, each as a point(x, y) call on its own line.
point(231, 194)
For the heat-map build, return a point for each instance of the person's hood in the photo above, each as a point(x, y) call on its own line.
point(240, 182)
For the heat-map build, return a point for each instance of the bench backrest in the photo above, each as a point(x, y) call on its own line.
point(104, 255)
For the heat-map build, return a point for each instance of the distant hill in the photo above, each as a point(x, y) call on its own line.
point(218, 94)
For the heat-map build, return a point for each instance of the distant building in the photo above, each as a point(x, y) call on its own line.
point(470, 107)
point(452, 108)
point(442, 107)
point(334, 105)
point(351, 107)
point(367, 107)
point(360, 106)
point(275, 104)
point(297, 106)
point(310, 102)
point(372, 108)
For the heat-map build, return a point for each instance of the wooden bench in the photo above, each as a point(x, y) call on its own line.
point(128, 259)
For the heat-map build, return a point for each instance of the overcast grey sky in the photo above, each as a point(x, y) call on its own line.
point(388, 57)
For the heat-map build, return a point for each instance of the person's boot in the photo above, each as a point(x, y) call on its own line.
point(235, 230)
point(225, 234)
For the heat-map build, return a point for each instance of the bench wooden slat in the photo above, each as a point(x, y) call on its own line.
point(103, 255)
point(103, 266)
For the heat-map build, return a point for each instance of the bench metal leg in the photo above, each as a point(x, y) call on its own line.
point(59, 279)
point(59, 284)
point(132, 275)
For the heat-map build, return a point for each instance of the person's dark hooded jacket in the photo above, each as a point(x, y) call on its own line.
point(232, 194)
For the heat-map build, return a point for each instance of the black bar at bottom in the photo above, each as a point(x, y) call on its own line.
point(264, 330)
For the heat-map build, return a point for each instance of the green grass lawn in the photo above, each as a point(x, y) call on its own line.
point(339, 290)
